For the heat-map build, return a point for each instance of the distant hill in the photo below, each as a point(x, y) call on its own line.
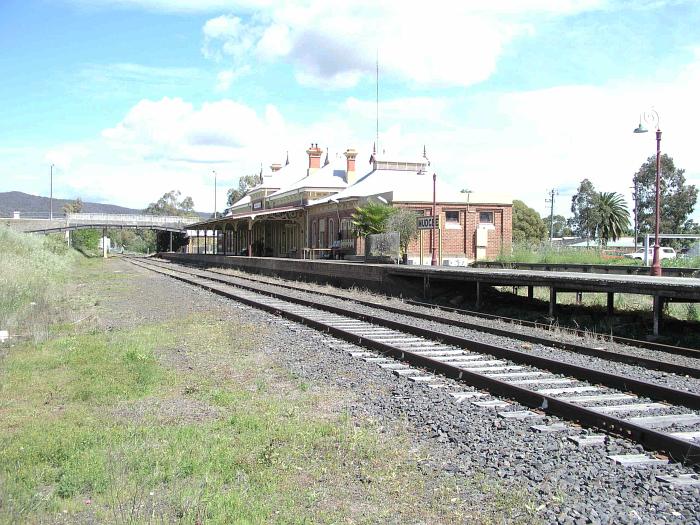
point(34, 206)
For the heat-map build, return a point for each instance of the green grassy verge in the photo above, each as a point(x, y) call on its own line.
point(189, 421)
point(545, 254)
point(34, 271)
point(95, 427)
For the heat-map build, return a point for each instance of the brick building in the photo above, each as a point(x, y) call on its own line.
point(307, 212)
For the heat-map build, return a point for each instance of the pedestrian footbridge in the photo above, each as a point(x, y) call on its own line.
point(80, 221)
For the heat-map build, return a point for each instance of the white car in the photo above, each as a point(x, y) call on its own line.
point(664, 253)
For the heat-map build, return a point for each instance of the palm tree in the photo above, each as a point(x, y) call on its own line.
point(370, 219)
point(614, 217)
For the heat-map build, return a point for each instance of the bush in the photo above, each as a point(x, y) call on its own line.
point(86, 240)
point(32, 267)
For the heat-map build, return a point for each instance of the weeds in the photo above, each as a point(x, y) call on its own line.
point(33, 271)
point(546, 254)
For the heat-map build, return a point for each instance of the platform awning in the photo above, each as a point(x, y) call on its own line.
point(288, 213)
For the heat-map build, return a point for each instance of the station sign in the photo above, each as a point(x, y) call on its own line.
point(428, 223)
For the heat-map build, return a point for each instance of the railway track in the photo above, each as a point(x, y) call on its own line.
point(600, 352)
point(660, 418)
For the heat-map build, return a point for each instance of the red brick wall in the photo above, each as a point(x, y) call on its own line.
point(458, 241)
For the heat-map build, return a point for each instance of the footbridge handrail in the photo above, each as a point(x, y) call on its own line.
point(129, 219)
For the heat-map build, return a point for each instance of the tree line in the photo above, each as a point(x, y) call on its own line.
point(604, 216)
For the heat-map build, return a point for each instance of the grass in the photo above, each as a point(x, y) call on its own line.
point(188, 421)
point(34, 270)
point(76, 443)
point(545, 254)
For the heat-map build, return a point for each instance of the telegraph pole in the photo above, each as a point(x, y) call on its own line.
point(552, 194)
point(51, 195)
point(635, 196)
point(214, 171)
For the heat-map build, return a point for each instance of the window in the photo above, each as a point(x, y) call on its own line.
point(485, 217)
point(345, 229)
point(322, 233)
point(452, 216)
point(332, 234)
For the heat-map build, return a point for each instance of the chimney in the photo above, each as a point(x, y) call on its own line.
point(350, 173)
point(314, 153)
point(275, 167)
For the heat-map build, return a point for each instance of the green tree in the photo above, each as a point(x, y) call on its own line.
point(585, 214)
point(73, 207)
point(169, 204)
point(245, 184)
point(561, 226)
point(614, 216)
point(85, 240)
point(528, 226)
point(371, 218)
point(403, 221)
point(677, 198)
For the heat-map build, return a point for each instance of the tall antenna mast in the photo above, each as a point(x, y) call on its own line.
point(377, 82)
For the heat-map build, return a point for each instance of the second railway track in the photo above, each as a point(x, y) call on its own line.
point(431, 313)
point(590, 397)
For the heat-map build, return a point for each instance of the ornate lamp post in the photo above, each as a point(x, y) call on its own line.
point(433, 259)
point(652, 117)
point(214, 172)
point(51, 195)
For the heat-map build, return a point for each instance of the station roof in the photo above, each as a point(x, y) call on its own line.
point(332, 176)
point(410, 186)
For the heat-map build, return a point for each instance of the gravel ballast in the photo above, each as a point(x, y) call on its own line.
point(633, 371)
point(569, 484)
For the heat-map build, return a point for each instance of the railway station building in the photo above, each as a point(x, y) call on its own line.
point(305, 211)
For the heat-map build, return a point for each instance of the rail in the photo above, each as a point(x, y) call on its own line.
point(129, 219)
point(369, 330)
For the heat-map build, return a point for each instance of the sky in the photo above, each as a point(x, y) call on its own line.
point(129, 99)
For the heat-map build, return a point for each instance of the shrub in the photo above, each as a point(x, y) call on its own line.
point(32, 267)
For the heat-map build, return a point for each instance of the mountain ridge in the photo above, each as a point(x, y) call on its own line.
point(36, 206)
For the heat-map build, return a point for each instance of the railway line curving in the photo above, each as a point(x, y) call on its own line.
point(620, 405)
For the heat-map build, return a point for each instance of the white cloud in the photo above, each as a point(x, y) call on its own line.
point(63, 157)
point(224, 79)
point(139, 73)
point(176, 6)
point(228, 36)
point(521, 142)
point(333, 44)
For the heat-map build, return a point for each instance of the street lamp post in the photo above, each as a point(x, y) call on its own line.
point(51, 194)
point(433, 259)
point(653, 117)
point(214, 193)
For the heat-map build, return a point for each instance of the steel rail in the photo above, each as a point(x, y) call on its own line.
point(650, 363)
point(651, 345)
point(678, 449)
point(627, 341)
point(624, 383)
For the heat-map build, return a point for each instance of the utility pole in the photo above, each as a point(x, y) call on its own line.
point(51, 195)
point(377, 100)
point(552, 194)
point(635, 196)
point(214, 193)
point(433, 259)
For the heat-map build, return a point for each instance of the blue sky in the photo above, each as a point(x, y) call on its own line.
point(132, 98)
